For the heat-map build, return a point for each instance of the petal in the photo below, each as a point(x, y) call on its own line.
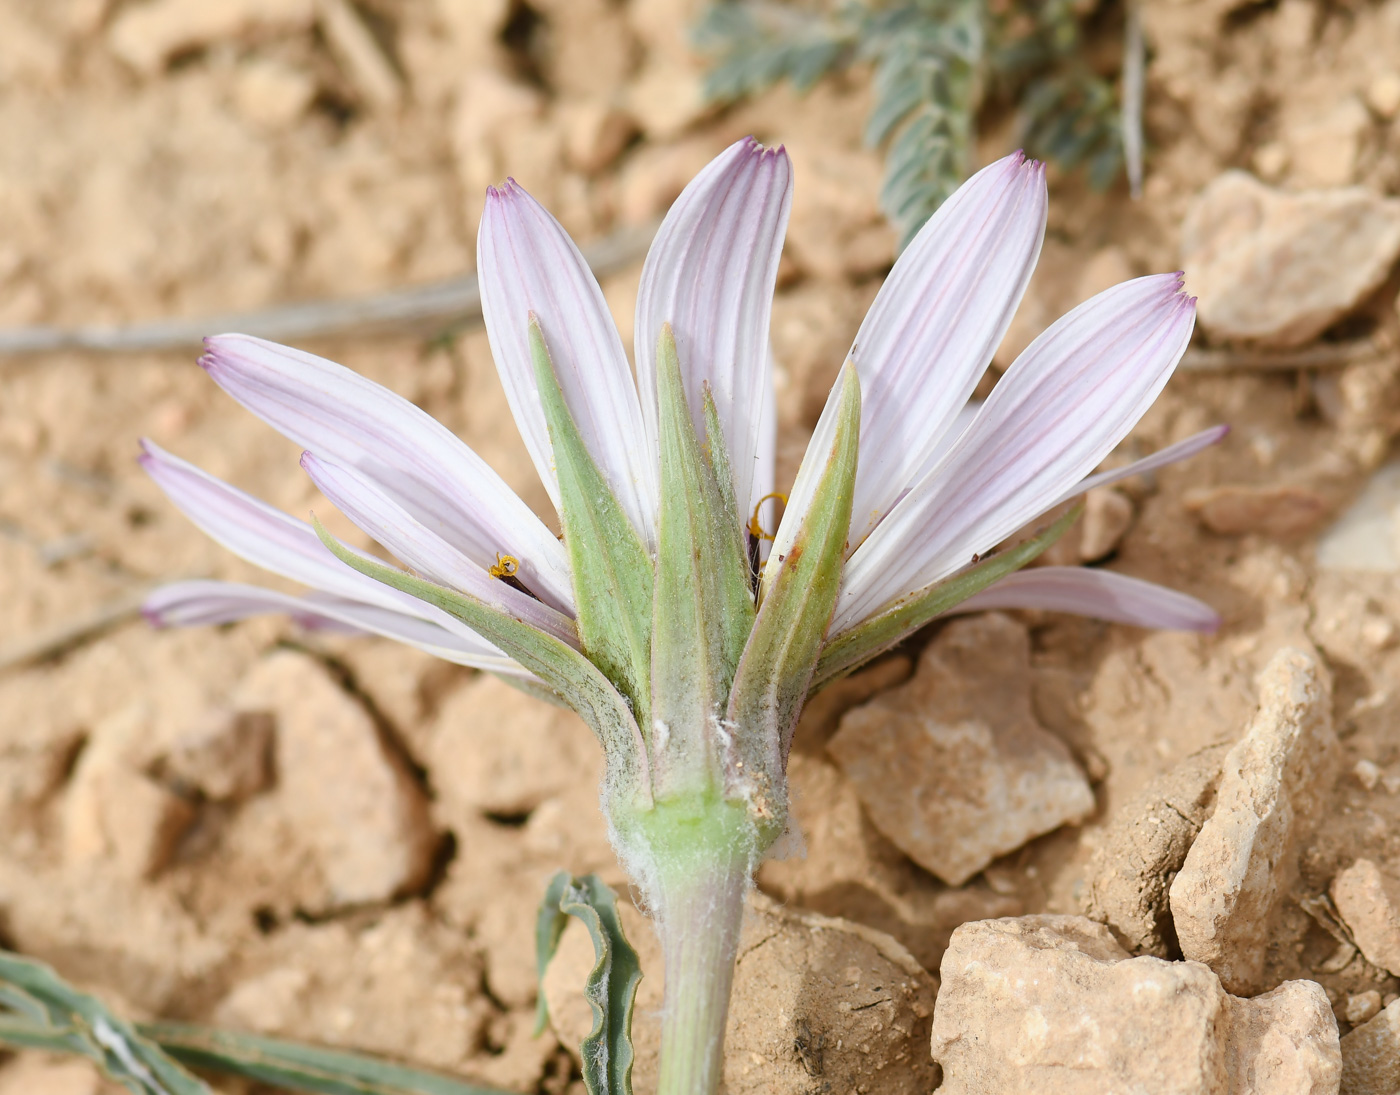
point(426, 552)
point(264, 536)
point(930, 334)
point(186, 604)
point(1061, 408)
point(1159, 459)
point(1103, 594)
point(710, 274)
point(528, 265)
point(411, 456)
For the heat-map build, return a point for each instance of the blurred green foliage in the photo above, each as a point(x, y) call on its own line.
point(935, 63)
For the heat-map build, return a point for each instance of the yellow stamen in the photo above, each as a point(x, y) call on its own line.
point(505, 566)
point(755, 526)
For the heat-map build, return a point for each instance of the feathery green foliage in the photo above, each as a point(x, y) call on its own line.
point(935, 62)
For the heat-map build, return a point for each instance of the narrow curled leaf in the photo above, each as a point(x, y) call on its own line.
point(611, 987)
point(776, 668)
point(45, 1012)
point(299, 1067)
point(704, 607)
point(853, 648)
point(612, 573)
point(577, 681)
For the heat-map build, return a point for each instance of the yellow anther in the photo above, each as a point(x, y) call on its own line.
point(505, 566)
point(755, 526)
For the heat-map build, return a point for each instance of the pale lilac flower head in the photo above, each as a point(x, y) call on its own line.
point(940, 482)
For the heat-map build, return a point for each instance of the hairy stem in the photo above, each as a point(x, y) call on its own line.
point(699, 924)
point(693, 855)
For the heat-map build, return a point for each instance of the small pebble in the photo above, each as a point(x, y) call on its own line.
point(1362, 1006)
point(1367, 773)
point(1383, 96)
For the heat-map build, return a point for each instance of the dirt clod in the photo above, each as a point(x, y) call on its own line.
point(1053, 1004)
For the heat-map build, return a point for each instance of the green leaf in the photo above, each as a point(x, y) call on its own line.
point(613, 575)
point(577, 680)
point(856, 646)
point(550, 922)
point(48, 1013)
point(611, 987)
point(704, 604)
point(782, 651)
point(300, 1067)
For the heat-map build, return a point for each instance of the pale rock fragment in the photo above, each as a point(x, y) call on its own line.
point(494, 750)
point(1144, 847)
point(1371, 1055)
point(819, 1004)
point(347, 795)
point(1368, 901)
point(1108, 514)
point(1052, 1004)
point(1325, 143)
point(952, 766)
point(1276, 268)
point(114, 813)
point(1226, 898)
point(226, 756)
point(36, 1074)
point(1383, 95)
point(595, 133)
point(272, 95)
point(1366, 537)
point(146, 36)
point(1361, 1007)
point(1281, 511)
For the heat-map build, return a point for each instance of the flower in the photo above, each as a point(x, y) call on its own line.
point(938, 482)
point(655, 615)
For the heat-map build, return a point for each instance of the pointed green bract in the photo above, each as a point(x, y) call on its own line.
point(853, 648)
point(704, 608)
point(577, 681)
point(777, 664)
point(611, 988)
point(612, 573)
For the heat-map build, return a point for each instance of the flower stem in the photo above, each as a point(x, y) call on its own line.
point(695, 854)
point(699, 924)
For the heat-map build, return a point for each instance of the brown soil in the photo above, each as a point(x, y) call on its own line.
point(264, 161)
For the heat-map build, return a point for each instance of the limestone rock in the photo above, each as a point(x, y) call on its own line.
point(819, 1004)
point(36, 1074)
point(1277, 269)
point(404, 985)
point(146, 36)
point(1052, 1004)
point(1226, 899)
point(495, 750)
point(114, 813)
point(1371, 1055)
point(1368, 900)
point(952, 766)
point(1281, 511)
point(227, 756)
point(1366, 537)
point(348, 796)
point(1108, 514)
point(1144, 847)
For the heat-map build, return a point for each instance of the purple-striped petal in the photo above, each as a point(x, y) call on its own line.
point(205, 603)
point(929, 336)
point(710, 274)
point(411, 456)
point(1061, 408)
point(528, 265)
point(261, 534)
point(424, 551)
point(1103, 594)
point(1159, 459)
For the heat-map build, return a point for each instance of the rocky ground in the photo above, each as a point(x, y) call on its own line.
point(1117, 860)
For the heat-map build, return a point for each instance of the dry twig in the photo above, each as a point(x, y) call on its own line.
point(424, 310)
